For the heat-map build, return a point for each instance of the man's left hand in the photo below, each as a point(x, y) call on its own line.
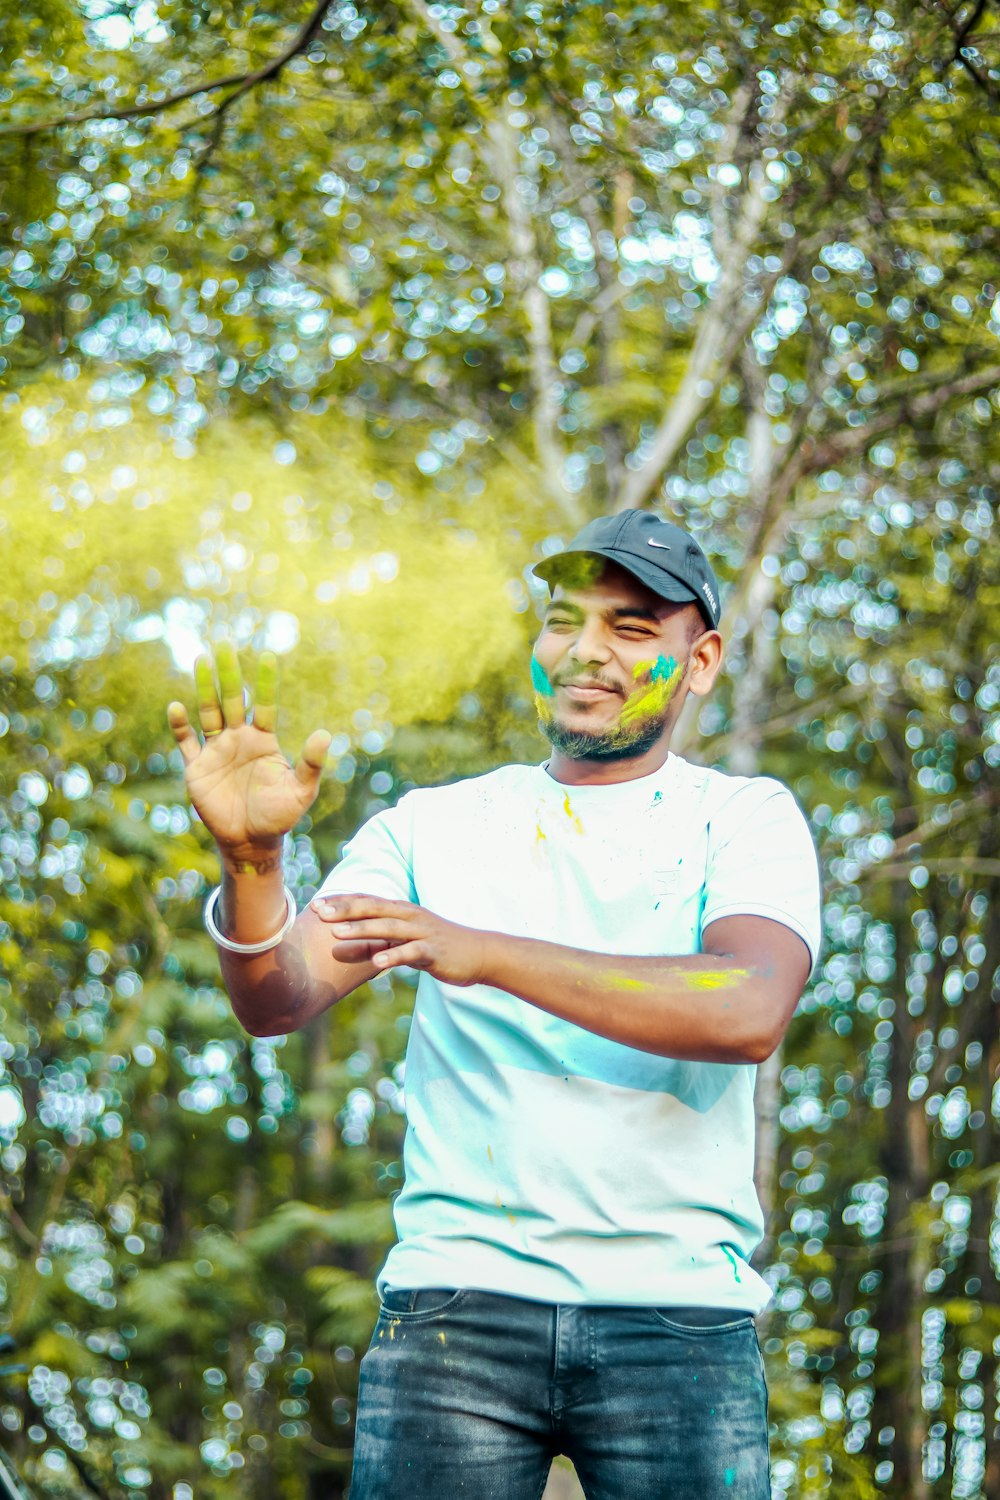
point(391, 934)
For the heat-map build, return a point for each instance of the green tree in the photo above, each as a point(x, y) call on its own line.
point(327, 320)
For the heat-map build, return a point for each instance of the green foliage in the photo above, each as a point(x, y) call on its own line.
point(326, 355)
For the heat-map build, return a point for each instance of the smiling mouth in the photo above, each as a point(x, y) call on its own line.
point(587, 692)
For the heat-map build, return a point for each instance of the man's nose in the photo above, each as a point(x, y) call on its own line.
point(590, 644)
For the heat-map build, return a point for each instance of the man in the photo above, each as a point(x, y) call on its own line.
point(607, 944)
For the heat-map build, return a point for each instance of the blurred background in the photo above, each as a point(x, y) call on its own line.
point(319, 325)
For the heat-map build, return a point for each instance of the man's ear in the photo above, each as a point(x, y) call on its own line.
point(705, 663)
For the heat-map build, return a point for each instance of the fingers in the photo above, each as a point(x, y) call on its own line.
point(265, 704)
point(183, 733)
point(355, 908)
point(231, 683)
point(407, 955)
point(415, 954)
point(313, 757)
point(209, 708)
point(380, 931)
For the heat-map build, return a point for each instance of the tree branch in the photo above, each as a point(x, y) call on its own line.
point(815, 455)
point(714, 353)
point(501, 148)
point(713, 337)
point(963, 38)
point(240, 83)
point(739, 112)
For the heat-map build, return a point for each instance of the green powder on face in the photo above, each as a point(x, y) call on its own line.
point(539, 681)
point(657, 671)
point(662, 669)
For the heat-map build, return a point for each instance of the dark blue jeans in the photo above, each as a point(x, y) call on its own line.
point(470, 1393)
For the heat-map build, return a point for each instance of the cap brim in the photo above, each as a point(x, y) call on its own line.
point(661, 583)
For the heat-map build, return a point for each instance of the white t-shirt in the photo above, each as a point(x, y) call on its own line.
point(542, 1160)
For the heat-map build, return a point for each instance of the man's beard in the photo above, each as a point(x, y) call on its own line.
point(613, 744)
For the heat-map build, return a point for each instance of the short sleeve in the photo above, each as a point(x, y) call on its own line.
point(378, 860)
point(762, 862)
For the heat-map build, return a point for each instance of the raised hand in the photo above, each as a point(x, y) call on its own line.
point(244, 789)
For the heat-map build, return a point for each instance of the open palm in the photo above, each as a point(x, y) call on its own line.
point(241, 785)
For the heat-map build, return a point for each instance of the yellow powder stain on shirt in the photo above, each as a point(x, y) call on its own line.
point(489, 1152)
point(573, 817)
point(504, 1209)
point(442, 1339)
point(539, 834)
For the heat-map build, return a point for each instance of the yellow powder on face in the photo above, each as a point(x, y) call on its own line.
point(653, 701)
point(543, 708)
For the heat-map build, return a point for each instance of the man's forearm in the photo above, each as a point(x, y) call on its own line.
point(696, 1008)
point(728, 1004)
point(268, 990)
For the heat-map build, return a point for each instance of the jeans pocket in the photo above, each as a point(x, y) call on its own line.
point(701, 1322)
point(413, 1306)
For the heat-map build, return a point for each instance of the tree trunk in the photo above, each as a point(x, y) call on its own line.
point(904, 1158)
point(748, 720)
point(982, 1221)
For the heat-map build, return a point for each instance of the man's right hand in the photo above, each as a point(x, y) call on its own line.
point(243, 788)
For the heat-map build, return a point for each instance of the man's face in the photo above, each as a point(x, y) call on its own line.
point(610, 664)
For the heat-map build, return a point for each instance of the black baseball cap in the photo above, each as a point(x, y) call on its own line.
point(658, 553)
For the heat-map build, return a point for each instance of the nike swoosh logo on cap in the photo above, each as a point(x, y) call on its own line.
point(651, 543)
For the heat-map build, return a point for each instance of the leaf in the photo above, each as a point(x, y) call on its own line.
point(357, 1224)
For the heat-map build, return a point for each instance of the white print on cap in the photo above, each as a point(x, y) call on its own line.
point(709, 596)
point(664, 545)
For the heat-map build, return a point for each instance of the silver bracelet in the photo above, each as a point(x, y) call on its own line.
point(228, 943)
